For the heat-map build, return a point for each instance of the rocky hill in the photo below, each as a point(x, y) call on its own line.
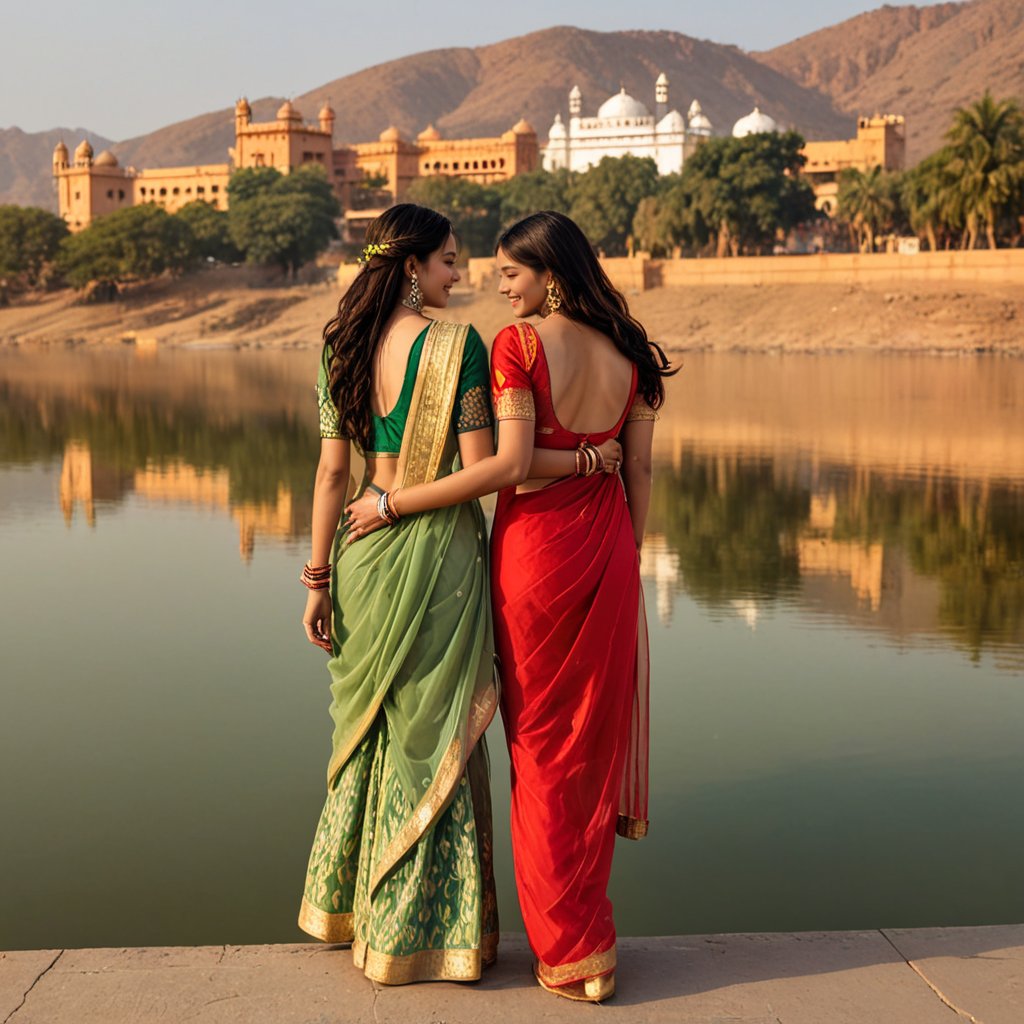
point(922, 62)
point(481, 91)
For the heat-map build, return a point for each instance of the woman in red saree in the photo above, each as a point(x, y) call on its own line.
point(569, 627)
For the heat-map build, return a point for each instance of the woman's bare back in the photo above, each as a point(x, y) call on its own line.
point(590, 377)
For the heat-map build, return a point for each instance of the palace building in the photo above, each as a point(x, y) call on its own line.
point(623, 125)
point(89, 187)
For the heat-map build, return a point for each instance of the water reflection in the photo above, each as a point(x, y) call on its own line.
point(885, 493)
point(904, 555)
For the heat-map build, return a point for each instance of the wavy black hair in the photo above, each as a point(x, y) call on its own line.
point(354, 332)
point(550, 241)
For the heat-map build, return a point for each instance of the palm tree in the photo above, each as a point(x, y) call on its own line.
point(987, 159)
point(866, 203)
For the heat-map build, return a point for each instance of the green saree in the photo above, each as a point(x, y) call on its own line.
point(401, 860)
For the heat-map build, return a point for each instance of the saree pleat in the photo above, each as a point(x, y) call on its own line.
point(401, 862)
point(565, 584)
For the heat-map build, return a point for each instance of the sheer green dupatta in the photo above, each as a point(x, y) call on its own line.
point(412, 628)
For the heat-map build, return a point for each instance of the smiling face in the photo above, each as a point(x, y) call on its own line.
point(437, 274)
point(525, 288)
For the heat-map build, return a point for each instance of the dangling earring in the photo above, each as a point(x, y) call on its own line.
point(554, 301)
point(414, 300)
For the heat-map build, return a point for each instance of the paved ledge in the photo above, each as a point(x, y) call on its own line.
point(917, 976)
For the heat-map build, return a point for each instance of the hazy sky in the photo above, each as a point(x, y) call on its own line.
point(123, 69)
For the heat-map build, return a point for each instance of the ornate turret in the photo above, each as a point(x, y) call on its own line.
point(243, 113)
point(60, 157)
point(105, 159)
point(326, 118)
point(661, 96)
point(575, 101)
point(83, 154)
point(287, 113)
point(429, 134)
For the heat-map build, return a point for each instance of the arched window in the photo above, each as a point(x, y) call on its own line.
point(120, 193)
point(163, 191)
point(175, 191)
point(476, 165)
point(110, 193)
point(501, 162)
point(437, 165)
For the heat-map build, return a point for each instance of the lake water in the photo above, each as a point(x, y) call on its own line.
point(835, 583)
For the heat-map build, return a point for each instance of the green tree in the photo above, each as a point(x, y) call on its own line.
point(605, 200)
point(132, 244)
point(29, 240)
point(987, 158)
point(739, 193)
point(473, 209)
point(867, 202)
point(209, 227)
point(535, 191)
point(281, 219)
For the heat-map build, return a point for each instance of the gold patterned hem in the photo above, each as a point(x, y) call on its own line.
point(565, 974)
point(424, 965)
point(632, 828)
point(448, 773)
point(326, 926)
point(380, 455)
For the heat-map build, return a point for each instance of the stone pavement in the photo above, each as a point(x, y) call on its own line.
point(891, 976)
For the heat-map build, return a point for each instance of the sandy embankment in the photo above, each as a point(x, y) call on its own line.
point(243, 308)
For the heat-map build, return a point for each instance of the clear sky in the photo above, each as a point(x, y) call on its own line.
point(123, 69)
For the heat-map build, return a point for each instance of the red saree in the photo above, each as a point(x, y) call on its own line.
point(566, 590)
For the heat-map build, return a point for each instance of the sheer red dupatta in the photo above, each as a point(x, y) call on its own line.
point(633, 822)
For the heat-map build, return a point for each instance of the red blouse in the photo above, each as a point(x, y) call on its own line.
point(521, 387)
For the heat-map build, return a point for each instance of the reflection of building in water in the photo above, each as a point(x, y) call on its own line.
point(819, 554)
point(660, 564)
point(84, 482)
point(862, 563)
point(178, 482)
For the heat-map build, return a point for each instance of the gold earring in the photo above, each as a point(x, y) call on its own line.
point(554, 300)
point(414, 300)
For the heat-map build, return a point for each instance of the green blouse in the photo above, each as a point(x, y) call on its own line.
point(472, 402)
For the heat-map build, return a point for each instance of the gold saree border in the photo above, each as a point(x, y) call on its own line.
point(425, 964)
point(632, 828)
point(439, 793)
point(326, 926)
point(433, 399)
point(565, 974)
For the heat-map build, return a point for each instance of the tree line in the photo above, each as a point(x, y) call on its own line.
point(972, 187)
point(272, 219)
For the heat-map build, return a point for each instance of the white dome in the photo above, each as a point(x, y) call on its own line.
point(671, 122)
point(622, 105)
point(699, 122)
point(754, 124)
point(557, 129)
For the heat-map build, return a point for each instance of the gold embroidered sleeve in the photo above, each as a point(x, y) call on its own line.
point(474, 410)
point(640, 410)
point(515, 404)
point(330, 422)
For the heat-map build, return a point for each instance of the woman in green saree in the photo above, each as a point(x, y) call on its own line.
point(401, 859)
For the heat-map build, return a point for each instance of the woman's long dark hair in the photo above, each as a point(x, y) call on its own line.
point(550, 241)
point(353, 334)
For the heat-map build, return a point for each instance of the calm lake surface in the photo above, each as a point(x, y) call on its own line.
point(835, 585)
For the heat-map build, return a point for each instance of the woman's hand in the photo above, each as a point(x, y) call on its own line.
point(316, 620)
point(362, 516)
point(611, 455)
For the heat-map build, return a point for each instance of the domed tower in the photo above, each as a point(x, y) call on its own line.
point(661, 96)
point(243, 114)
point(288, 115)
point(575, 101)
point(83, 154)
point(326, 118)
point(60, 158)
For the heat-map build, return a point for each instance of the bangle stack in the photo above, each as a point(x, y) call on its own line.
point(588, 460)
point(316, 577)
point(386, 508)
